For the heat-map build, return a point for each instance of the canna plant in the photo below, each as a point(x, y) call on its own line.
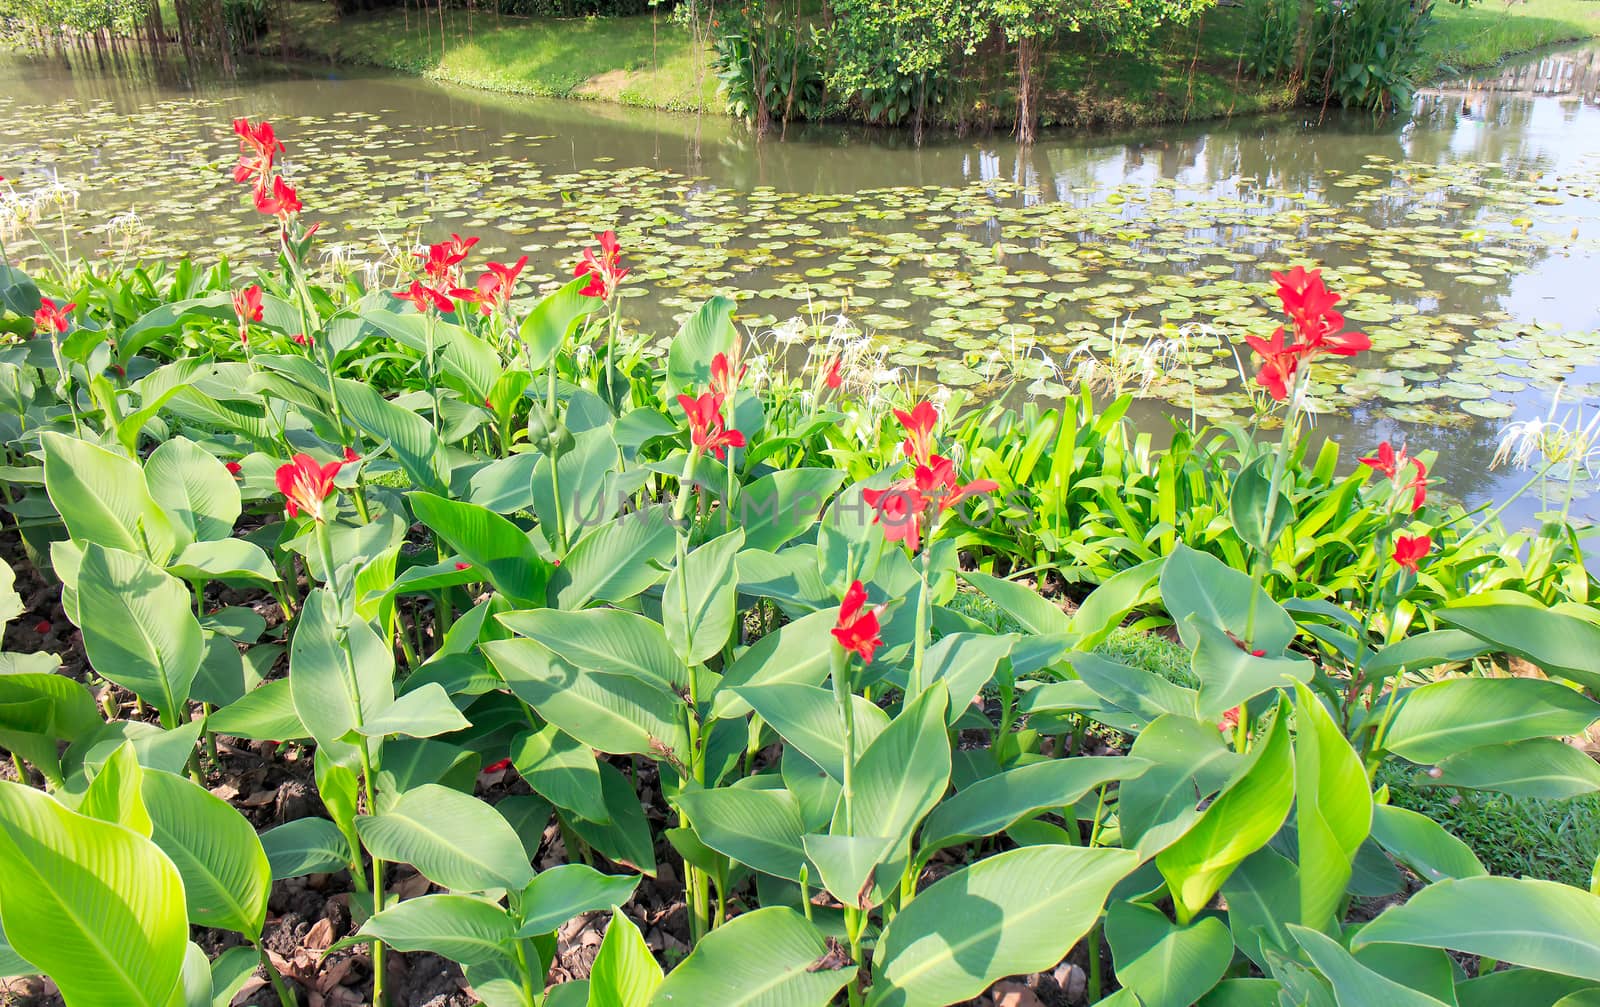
point(725, 622)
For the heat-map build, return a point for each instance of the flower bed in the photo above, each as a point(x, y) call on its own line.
point(553, 629)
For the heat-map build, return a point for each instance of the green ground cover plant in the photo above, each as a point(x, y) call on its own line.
point(751, 648)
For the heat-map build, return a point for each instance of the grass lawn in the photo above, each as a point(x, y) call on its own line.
point(628, 60)
point(1192, 71)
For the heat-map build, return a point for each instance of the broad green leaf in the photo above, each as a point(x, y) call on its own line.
point(1140, 692)
point(1543, 768)
point(1355, 985)
point(807, 718)
point(604, 639)
point(459, 927)
point(452, 838)
point(1252, 495)
point(1559, 643)
point(1425, 650)
point(226, 876)
point(1440, 719)
point(614, 561)
point(224, 559)
point(229, 973)
point(1423, 845)
point(784, 505)
point(559, 768)
point(1022, 603)
point(491, 543)
point(1189, 763)
point(139, 627)
point(1333, 809)
point(761, 829)
point(552, 320)
point(103, 499)
point(200, 498)
point(422, 713)
point(1166, 965)
point(559, 894)
point(625, 837)
point(617, 714)
point(305, 846)
point(1523, 987)
point(1236, 824)
point(1537, 924)
point(699, 601)
point(965, 663)
point(103, 911)
point(1229, 675)
point(624, 973)
point(1242, 993)
point(1109, 604)
point(768, 958)
point(409, 436)
point(1263, 896)
point(336, 690)
point(995, 804)
point(1016, 912)
point(1200, 590)
point(704, 334)
point(796, 653)
point(265, 713)
point(39, 709)
point(900, 776)
point(116, 794)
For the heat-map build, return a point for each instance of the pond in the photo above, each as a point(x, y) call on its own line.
point(1466, 235)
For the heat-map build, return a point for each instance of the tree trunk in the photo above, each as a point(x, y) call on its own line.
point(1027, 89)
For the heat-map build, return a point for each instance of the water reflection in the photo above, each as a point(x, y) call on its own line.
point(1201, 204)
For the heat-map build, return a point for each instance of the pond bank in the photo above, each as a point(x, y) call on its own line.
point(1193, 72)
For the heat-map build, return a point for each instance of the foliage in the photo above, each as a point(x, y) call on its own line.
point(1359, 53)
point(767, 64)
point(503, 534)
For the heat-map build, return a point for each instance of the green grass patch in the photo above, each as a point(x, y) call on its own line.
point(1486, 33)
point(1553, 840)
point(645, 61)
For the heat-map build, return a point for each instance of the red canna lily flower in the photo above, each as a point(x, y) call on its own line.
point(1418, 486)
point(941, 485)
point(723, 379)
point(833, 379)
point(300, 339)
point(305, 484)
point(462, 566)
point(496, 767)
point(1387, 460)
point(234, 468)
point(1280, 361)
point(52, 318)
point(440, 260)
point(424, 298)
point(901, 509)
point(857, 628)
point(281, 202)
point(707, 429)
point(919, 424)
point(350, 456)
point(258, 145)
point(247, 308)
point(1229, 722)
point(603, 270)
point(493, 289)
point(1409, 549)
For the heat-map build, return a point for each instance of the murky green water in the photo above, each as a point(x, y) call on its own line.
point(1468, 237)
